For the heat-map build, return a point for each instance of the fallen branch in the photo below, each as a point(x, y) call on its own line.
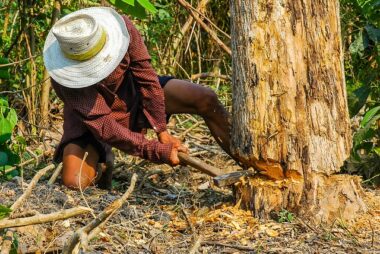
point(7, 242)
point(44, 218)
point(56, 173)
point(22, 164)
point(51, 250)
point(213, 35)
point(196, 245)
point(183, 134)
point(28, 191)
point(82, 234)
point(187, 25)
point(238, 247)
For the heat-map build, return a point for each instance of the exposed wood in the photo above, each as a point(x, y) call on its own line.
point(200, 165)
point(213, 35)
point(44, 218)
point(290, 114)
point(56, 173)
point(335, 197)
point(81, 235)
point(28, 191)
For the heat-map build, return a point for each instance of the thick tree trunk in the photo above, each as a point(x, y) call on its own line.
point(289, 107)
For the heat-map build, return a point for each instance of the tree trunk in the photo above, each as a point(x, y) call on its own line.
point(290, 115)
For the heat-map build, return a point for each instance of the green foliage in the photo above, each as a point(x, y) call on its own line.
point(4, 71)
point(4, 211)
point(361, 32)
point(135, 8)
point(285, 216)
point(8, 120)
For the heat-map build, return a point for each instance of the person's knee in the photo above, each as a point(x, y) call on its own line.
point(75, 180)
point(76, 173)
point(71, 182)
point(208, 102)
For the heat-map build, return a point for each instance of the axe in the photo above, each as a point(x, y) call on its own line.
point(222, 178)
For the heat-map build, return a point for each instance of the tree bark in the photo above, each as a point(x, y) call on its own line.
point(289, 107)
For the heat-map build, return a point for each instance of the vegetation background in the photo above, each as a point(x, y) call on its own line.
point(27, 103)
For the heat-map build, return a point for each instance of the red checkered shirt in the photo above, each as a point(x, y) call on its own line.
point(103, 108)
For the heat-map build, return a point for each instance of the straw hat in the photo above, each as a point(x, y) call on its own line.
point(85, 46)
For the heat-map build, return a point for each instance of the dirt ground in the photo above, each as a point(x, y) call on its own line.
point(172, 208)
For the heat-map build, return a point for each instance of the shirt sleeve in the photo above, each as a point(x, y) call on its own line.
point(153, 100)
point(91, 108)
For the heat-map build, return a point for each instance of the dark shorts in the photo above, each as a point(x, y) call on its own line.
point(104, 150)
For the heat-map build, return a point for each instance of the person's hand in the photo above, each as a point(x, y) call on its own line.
point(173, 159)
point(165, 138)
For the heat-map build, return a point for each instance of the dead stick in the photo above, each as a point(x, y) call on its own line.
point(50, 250)
point(28, 191)
point(200, 165)
point(44, 218)
point(103, 216)
point(213, 35)
point(238, 247)
point(7, 242)
point(183, 135)
point(22, 164)
point(56, 173)
point(187, 25)
point(196, 245)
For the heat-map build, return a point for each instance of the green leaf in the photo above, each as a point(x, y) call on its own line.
point(136, 11)
point(377, 150)
point(360, 44)
point(369, 116)
point(147, 5)
point(362, 138)
point(4, 74)
point(5, 130)
point(4, 71)
point(3, 158)
point(130, 2)
point(130, 7)
point(373, 33)
point(358, 98)
point(12, 117)
point(122, 4)
point(4, 211)
point(3, 102)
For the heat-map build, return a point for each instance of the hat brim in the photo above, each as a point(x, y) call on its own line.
point(78, 74)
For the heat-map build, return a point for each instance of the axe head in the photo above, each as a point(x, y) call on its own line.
point(231, 178)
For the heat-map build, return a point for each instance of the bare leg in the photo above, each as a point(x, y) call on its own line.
point(185, 97)
point(72, 160)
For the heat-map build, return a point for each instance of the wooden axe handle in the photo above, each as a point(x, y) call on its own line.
point(200, 165)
